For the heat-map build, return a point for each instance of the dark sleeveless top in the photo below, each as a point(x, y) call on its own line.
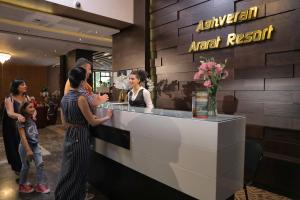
point(139, 100)
point(71, 110)
point(11, 136)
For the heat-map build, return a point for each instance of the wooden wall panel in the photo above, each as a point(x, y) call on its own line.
point(283, 110)
point(297, 70)
point(280, 6)
point(281, 71)
point(282, 58)
point(268, 96)
point(261, 4)
point(35, 77)
point(159, 4)
point(184, 4)
point(283, 84)
point(53, 76)
point(164, 16)
point(264, 80)
point(130, 45)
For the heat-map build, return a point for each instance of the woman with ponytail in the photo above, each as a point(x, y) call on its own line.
point(139, 96)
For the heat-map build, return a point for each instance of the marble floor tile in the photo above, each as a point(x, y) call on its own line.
point(51, 139)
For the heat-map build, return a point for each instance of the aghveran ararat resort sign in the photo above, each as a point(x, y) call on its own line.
point(233, 39)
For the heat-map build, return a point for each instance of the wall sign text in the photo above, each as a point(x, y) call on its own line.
point(233, 39)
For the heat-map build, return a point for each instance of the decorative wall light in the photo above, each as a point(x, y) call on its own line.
point(4, 57)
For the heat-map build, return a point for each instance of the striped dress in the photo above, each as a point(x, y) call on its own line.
point(73, 175)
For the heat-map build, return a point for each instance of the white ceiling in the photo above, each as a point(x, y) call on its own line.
point(39, 39)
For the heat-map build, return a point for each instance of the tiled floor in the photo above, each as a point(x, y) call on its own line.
point(51, 139)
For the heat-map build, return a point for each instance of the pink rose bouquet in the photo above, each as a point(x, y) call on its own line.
point(211, 73)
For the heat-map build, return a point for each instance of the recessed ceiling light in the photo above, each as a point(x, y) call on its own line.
point(26, 30)
point(97, 32)
point(54, 50)
point(80, 39)
point(109, 57)
point(106, 54)
point(19, 38)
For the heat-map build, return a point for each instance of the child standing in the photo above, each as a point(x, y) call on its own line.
point(29, 150)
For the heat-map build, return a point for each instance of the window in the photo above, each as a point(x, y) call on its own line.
point(104, 76)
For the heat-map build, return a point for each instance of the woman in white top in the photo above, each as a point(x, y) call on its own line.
point(138, 96)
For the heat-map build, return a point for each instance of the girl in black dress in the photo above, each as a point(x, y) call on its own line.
point(139, 96)
point(11, 137)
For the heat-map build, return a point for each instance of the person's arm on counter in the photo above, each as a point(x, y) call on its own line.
point(85, 109)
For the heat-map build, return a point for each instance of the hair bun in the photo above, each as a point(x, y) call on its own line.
point(142, 75)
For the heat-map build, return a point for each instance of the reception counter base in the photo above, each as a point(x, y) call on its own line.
point(182, 157)
point(119, 182)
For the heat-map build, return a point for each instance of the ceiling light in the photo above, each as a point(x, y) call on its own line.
point(106, 54)
point(19, 38)
point(4, 57)
point(80, 39)
point(54, 50)
point(109, 57)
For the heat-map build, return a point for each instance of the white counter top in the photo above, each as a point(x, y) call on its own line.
point(203, 158)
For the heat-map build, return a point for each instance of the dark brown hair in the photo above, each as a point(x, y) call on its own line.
point(76, 75)
point(140, 74)
point(23, 107)
point(14, 85)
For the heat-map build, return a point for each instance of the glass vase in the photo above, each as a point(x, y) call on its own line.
point(212, 105)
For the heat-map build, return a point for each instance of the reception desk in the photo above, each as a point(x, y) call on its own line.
point(165, 154)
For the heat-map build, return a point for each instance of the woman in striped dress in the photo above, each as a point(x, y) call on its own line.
point(77, 115)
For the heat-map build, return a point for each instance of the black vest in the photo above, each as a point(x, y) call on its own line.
point(139, 100)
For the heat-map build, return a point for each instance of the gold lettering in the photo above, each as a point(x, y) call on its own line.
point(230, 18)
point(230, 39)
point(236, 17)
point(207, 24)
point(222, 20)
point(214, 43)
point(239, 38)
point(233, 38)
point(216, 22)
point(243, 16)
point(264, 32)
point(203, 45)
point(218, 41)
point(200, 26)
point(193, 47)
point(252, 36)
point(248, 37)
point(198, 46)
point(271, 29)
point(252, 12)
point(257, 35)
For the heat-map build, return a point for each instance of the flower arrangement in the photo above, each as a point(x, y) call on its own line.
point(122, 82)
point(150, 84)
point(211, 73)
